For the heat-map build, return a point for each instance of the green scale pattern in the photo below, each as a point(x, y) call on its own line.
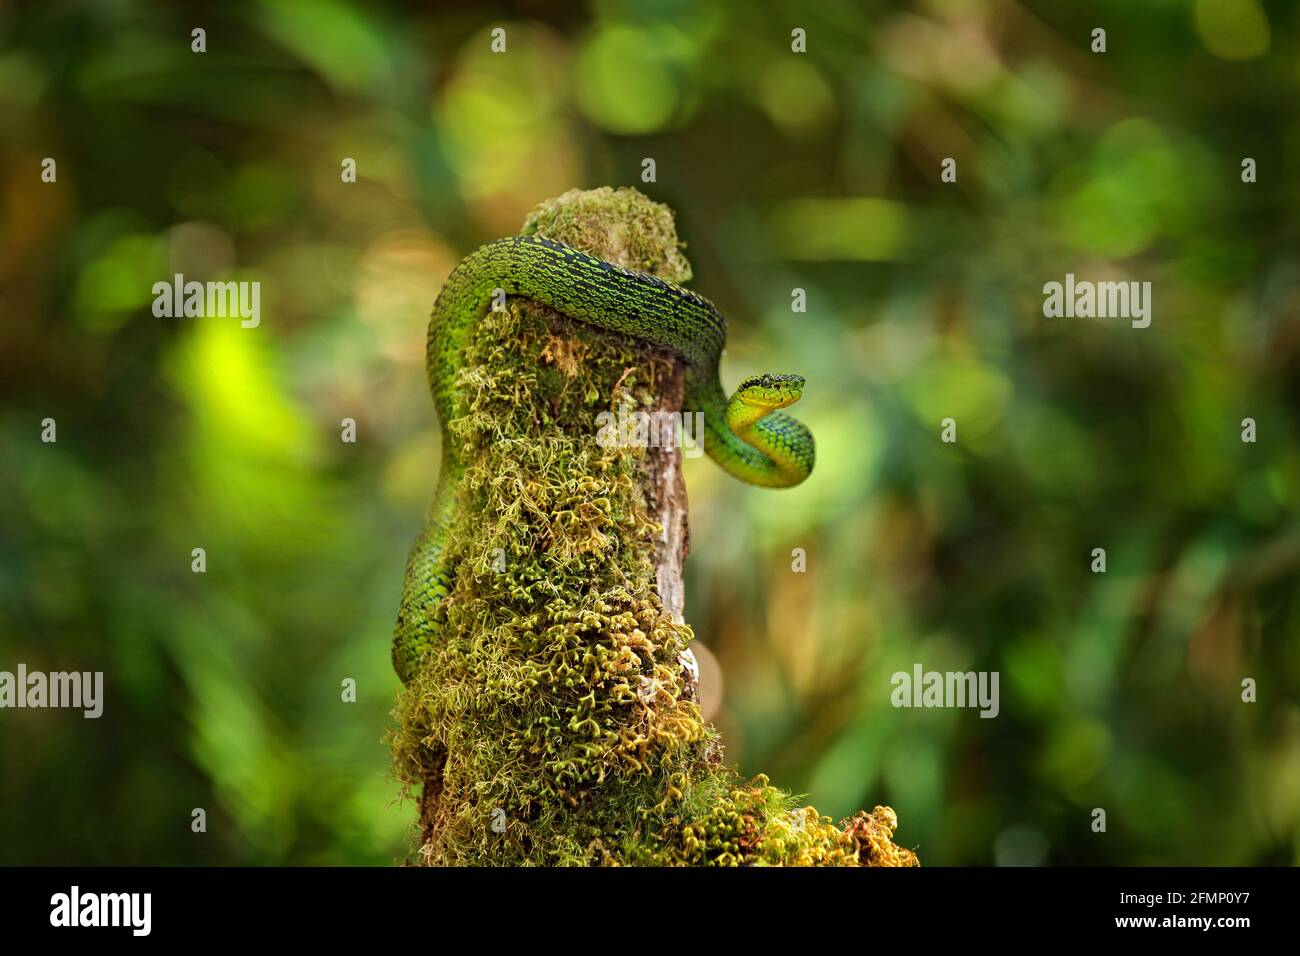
point(746, 435)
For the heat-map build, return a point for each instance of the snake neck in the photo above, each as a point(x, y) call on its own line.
point(757, 445)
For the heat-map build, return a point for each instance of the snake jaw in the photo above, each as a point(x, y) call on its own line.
point(770, 391)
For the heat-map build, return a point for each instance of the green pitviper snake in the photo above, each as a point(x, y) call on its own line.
point(746, 435)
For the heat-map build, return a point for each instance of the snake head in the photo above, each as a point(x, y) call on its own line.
point(770, 391)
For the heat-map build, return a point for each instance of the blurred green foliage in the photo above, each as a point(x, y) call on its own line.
point(818, 171)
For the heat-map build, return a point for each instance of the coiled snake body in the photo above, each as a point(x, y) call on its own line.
point(746, 435)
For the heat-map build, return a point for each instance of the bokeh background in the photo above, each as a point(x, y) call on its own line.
point(818, 171)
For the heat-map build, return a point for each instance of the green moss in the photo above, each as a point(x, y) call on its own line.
point(554, 725)
point(618, 225)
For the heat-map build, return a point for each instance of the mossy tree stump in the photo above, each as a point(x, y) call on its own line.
point(556, 723)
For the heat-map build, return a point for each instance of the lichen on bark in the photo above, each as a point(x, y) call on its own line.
point(556, 722)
